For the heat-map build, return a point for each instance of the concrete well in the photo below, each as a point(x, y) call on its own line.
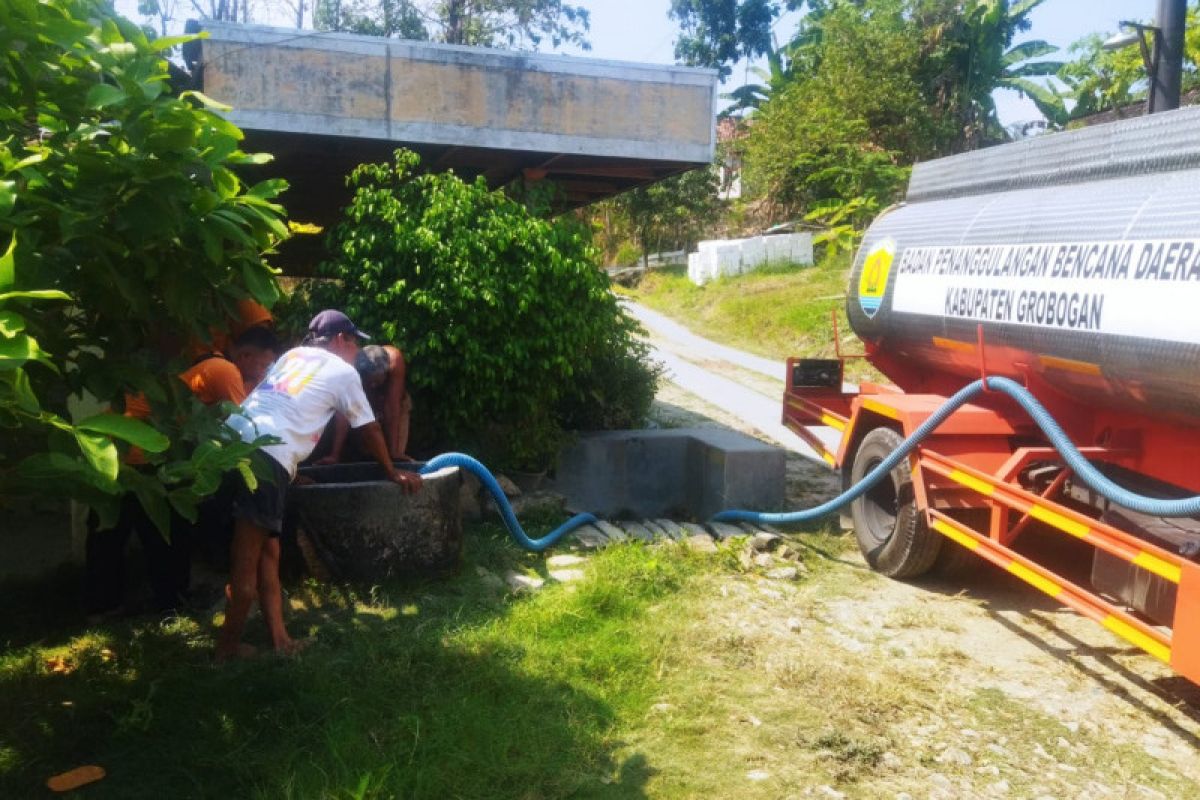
point(359, 526)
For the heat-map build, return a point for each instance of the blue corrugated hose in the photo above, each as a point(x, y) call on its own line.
point(510, 519)
point(1182, 507)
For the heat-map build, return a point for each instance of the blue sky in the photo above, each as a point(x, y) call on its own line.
point(640, 30)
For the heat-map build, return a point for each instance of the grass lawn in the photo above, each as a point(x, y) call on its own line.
point(776, 312)
point(446, 689)
point(661, 673)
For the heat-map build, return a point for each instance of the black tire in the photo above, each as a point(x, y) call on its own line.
point(890, 529)
point(956, 562)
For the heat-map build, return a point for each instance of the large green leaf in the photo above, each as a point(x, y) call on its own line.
point(207, 101)
point(62, 31)
point(8, 196)
point(11, 323)
point(53, 469)
point(1028, 50)
point(17, 350)
point(167, 42)
point(48, 467)
point(247, 473)
point(250, 159)
point(1049, 103)
point(7, 273)
point(1039, 69)
point(185, 504)
point(100, 452)
point(261, 283)
point(268, 189)
point(127, 429)
point(104, 94)
point(36, 294)
point(23, 395)
point(152, 496)
point(31, 159)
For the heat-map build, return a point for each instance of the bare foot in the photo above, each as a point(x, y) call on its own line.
point(292, 647)
point(239, 653)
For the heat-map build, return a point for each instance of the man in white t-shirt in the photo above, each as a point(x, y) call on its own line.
point(294, 403)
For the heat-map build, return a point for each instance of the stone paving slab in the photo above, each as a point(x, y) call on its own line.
point(673, 529)
point(723, 531)
point(590, 537)
point(636, 530)
point(605, 532)
point(612, 532)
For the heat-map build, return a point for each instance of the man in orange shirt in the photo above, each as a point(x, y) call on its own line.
point(214, 378)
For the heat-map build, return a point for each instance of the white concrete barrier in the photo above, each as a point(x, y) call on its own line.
point(716, 258)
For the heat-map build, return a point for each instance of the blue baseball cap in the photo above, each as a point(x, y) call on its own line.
point(330, 323)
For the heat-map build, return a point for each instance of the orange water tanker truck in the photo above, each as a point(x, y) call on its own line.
point(1069, 264)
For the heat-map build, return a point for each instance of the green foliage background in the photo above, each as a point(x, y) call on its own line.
point(508, 327)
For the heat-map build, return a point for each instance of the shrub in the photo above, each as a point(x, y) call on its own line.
point(508, 326)
point(126, 232)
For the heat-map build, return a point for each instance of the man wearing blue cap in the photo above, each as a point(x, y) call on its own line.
point(293, 403)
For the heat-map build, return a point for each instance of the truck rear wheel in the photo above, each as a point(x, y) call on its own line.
point(956, 562)
point(890, 529)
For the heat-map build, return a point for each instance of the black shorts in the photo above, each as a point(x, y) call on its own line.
point(264, 506)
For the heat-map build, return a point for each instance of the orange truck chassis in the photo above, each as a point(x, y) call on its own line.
point(965, 486)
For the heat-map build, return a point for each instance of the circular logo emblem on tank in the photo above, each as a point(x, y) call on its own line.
point(873, 281)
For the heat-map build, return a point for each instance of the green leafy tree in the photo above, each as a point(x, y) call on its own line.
point(1100, 80)
point(971, 52)
point(508, 326)
point(483, 23)
point(780, 72)
point(673, 213)
point(399, 18)
point(164, 11)
point(718, 33)
point(847, 126)
point(127, 233)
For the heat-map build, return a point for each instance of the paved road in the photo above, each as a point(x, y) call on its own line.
point(671, 341)
point(674, 332)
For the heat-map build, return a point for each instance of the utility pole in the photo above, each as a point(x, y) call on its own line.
point(1168, 55)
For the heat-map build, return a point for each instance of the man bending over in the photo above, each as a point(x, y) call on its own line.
point(382, 370)
point(294, 402)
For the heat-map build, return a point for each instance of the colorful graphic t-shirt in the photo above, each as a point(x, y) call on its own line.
point(297, 399)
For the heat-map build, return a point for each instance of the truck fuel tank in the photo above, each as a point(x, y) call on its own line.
point(1078, 253)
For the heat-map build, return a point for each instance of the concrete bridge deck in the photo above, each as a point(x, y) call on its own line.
point(325, 102)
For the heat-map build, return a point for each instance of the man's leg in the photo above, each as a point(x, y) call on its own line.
point(168, 563)
point(104, 563)
point(249, 541)
point(270, 596)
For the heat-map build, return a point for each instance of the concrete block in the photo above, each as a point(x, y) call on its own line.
point(802, 248)
point(716, 258)
point(754, 254)
point(681, 473)
point(779, 248)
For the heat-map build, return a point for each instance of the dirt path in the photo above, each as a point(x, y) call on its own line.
point(1028, 698)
